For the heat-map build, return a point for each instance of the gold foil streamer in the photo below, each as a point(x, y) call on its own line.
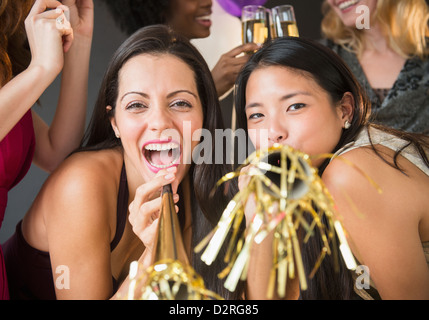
point(282, 208)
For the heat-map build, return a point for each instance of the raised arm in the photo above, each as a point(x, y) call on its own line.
point(45, 39)
point(55, 142)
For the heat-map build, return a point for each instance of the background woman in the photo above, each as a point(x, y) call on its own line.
point(191, 18)
point(390, 58)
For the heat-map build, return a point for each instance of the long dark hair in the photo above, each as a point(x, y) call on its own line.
point(331, 74)
point(207, 208)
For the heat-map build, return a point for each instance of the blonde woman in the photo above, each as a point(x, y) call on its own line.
point(384, 44)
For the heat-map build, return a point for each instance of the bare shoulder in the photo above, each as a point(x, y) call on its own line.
point(369, 170)
point(90, 162)
point(363, 184)
point(90, 168)
point(88, 181)
point(360, 180)
point(351, 168)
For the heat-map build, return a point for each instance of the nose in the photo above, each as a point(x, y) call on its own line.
point(159, 119)
point(277, 131)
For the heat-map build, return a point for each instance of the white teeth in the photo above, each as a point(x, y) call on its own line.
point(161, 146)
point(208, 17)
point(163, 166)
point(346, 4)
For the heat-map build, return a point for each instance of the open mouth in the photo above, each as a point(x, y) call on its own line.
point(347, 4)
point(161, 154)
point(204, 20)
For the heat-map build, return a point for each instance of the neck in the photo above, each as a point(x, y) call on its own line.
point(375, 39)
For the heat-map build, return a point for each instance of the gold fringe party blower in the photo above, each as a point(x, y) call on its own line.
point(170, 277)
point(287, 190)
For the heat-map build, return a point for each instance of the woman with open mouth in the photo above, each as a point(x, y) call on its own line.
point(98, 212)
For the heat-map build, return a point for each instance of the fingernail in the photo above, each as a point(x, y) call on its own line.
point(169, 176)
point(175, 197)
point(58, 10)
point(171, 169)
point(67, 15)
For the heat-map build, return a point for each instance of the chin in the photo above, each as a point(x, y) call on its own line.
point(200, 34)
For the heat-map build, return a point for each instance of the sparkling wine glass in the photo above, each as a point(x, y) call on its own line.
point(254, 24)
point(284, 21)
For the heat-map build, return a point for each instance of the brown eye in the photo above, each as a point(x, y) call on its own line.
point(296, 106)
point(181, 104)
point(135, 106)
point(256, 116)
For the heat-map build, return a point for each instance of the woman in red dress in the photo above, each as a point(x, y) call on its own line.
point(36, 44)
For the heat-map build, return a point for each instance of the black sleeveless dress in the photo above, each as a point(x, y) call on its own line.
point(29, 270)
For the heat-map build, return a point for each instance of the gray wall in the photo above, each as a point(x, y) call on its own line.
point(107, 37)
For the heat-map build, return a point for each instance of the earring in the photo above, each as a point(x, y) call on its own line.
point(347, 124)
point(117, 135)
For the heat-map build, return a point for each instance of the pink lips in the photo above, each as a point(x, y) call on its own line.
point(160, 143)
point(205, 23)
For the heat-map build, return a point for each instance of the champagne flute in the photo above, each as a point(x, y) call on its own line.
point(284, 21)
point(254, 24)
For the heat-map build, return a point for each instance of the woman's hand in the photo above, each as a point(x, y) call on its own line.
point(48, 39)
point(81, 17)
point(226, 70)
point(145, 208)
point(250, 205)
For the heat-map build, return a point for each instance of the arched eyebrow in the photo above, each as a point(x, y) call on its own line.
point(285, 97)
point(145, 95)
point(181, 91)
point(135, 92)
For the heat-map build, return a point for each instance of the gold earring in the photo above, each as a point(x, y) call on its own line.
point(117, 135)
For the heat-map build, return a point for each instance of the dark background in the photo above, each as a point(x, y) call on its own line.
point(107, 37)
